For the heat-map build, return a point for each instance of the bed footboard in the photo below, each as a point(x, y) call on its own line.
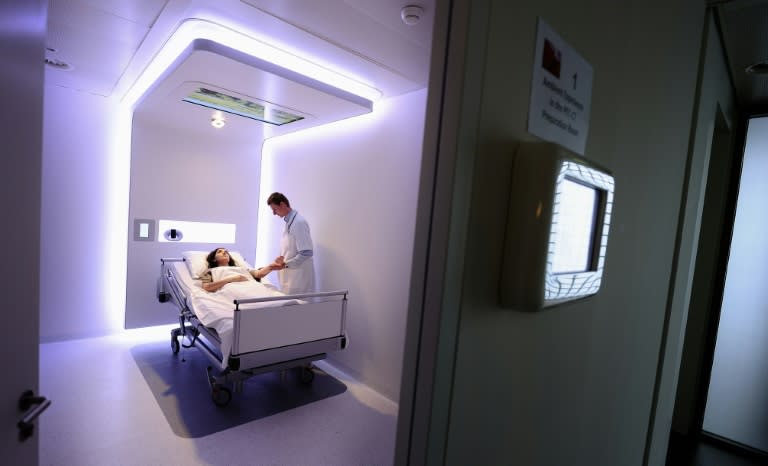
point(318, 317)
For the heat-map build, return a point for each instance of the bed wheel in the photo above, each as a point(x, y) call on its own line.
point(174, 345)
point(221, 396)
point(163, 297)
point(306, 375)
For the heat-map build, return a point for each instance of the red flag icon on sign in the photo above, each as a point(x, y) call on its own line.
point(551, 59)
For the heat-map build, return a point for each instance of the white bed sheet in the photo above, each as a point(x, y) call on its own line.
point(216, 309)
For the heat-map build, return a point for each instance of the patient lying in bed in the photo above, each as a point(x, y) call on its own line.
point(239, 283)
point(215, 309)
point(225, 281)
point(222, 270)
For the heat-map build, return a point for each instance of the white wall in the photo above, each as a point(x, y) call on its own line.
point(198, 175)
point(356, 182)
point(76, 277)
point(575, 384)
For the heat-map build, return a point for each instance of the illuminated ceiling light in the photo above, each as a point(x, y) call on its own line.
point(193, 29)
point(218, 122)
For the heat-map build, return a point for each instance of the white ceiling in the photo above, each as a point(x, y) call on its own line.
point(109, 42)
point(98, 38)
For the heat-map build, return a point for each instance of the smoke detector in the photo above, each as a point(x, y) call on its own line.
point(411, 14)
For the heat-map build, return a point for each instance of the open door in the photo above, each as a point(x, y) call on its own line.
point(737, 398)
point(721, 397)
point(22, 46)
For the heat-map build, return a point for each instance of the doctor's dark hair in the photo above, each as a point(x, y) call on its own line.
point(211, 259)
point(277, 198)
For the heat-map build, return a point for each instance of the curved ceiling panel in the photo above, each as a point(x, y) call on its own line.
point(246, 81)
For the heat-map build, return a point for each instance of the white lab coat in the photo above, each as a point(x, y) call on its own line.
point(296, 279)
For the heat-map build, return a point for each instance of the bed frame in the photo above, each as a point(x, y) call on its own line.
point(265, 339)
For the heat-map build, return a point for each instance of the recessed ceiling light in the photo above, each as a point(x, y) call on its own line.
point(758, 68)
point(217, 122)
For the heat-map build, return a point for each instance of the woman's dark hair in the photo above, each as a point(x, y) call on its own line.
point(277, 198)
point(211, 259)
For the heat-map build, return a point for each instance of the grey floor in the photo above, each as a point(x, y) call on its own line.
point(127, 400)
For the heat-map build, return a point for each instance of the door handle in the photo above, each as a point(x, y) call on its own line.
point(34, 407)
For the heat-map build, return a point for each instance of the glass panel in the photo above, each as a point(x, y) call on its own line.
point(574, 227)
point(237, 106)
point(737, 403)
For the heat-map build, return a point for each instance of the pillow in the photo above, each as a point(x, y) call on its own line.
point(196, 263)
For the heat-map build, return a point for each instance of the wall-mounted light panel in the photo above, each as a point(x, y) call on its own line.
point(178, 231)
point(557, 228)
point(143, 229)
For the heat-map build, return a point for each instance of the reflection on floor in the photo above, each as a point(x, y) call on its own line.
point(126, 399)
point(179, 387)
point(686, 452)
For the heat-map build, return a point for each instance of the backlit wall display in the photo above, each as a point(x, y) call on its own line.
point(557, 228)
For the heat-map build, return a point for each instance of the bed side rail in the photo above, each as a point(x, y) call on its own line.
point(168, 287)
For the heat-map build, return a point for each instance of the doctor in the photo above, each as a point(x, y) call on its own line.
point(297, 270)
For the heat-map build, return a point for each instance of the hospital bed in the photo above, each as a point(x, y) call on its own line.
point(249, 335)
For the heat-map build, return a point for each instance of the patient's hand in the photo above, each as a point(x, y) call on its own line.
point(237, 278)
